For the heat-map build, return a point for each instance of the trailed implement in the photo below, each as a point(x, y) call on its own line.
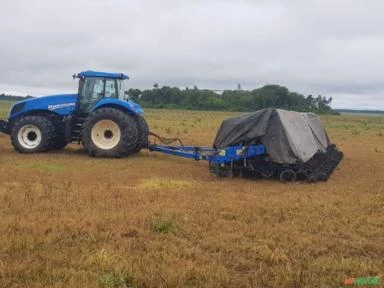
point(253, 162)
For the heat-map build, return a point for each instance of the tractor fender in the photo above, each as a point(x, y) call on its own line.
point(126, 106)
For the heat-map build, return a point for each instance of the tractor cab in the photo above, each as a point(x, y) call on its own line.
point(94, 86)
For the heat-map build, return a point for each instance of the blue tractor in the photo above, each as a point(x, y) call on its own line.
point(99, 116)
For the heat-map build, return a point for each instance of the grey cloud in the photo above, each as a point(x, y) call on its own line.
point(333, 48)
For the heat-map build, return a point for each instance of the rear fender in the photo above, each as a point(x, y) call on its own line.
point(126, 106)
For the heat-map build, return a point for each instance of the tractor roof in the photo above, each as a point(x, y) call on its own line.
point(90, 73)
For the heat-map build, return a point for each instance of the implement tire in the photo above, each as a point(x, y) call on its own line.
point(287, 175)
point(33, 134)
point(109, 132)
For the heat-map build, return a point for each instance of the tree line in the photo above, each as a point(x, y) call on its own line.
point(268, 96)
point(13, 98)
point(274, 96)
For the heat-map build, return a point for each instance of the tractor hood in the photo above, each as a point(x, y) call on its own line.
point(63, 104)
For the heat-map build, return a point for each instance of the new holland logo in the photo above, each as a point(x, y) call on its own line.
point(58, 106)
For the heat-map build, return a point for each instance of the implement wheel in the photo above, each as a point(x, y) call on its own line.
point(287, 175)
point(109, 132)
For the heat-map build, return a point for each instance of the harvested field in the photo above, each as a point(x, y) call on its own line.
point(151, 220)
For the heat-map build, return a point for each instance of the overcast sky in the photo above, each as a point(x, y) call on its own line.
point(329, 47)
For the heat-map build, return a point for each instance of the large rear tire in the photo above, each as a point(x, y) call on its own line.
point(143, 134)
point(109, 132)
point(33, 134)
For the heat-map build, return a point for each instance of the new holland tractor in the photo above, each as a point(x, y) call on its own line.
point(269, 143)
point(98, 116)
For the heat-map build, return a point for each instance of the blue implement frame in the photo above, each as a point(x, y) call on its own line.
point(214, 156)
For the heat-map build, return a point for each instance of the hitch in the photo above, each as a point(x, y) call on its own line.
point(4, 127)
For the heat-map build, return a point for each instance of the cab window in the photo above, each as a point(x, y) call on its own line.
point(110, 88)
point(92, 89)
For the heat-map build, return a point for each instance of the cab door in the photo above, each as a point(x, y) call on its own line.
point(91, 90)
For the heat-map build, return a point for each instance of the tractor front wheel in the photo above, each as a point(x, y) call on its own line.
point(33, 134)
point(109, 132)
point(59, 141)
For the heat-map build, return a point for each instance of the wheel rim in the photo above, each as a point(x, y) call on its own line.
point(29, 136)
point(106, 134)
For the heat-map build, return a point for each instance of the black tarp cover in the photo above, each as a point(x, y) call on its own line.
point(289, 137)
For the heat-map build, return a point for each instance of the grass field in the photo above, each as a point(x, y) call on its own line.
point(150, 220)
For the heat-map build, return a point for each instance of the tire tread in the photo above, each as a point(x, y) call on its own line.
point(47, 131)
point(129, 133)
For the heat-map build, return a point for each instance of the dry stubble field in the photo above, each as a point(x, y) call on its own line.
point(150, 220)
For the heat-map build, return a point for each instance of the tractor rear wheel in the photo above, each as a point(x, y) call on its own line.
point(32, 134)
point(143, 134)
point(109, 132)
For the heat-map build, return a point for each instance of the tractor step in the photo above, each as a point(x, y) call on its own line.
point(73, 126)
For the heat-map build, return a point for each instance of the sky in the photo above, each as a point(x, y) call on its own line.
point(330, 47)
